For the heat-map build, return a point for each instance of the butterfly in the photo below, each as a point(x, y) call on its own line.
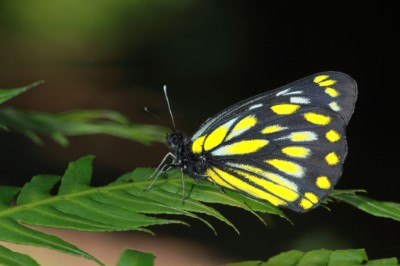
point(286, 146)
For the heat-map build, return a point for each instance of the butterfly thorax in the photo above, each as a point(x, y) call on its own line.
point(184, 159)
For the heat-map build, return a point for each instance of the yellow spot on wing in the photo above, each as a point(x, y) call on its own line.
point(323, 182)
point(243, 125)
point(197, 146)
point(332, 158)
point(332, 92)
point(280, 180)
point(287, 167)
point(296, 151)
point(285, 109)
point(320, 78)
point(327, 82)
point(305, 204)
point(248, 188)
point(241, 147)
point(332, 135)
point(246, 122)
point(311, 197)
point(280, 191)
point(317, 119)
point(215, 138)
point(272, 129)
point(214, 177)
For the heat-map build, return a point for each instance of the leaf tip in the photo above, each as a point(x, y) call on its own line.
point(37, 83)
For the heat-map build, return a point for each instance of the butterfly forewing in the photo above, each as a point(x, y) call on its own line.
point(286, 146)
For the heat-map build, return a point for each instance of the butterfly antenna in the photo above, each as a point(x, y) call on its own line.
point(156, 116)
point(169, 107)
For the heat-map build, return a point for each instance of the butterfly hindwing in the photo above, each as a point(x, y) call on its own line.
point(286, 146)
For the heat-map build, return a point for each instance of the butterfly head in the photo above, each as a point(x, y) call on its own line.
point(175, 141)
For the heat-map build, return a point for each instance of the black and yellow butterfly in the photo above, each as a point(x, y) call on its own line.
point(286, 146)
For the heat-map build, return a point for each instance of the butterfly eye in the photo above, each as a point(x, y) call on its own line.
point(175, 140)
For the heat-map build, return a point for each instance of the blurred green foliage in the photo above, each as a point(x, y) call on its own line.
point(82, 20)
point(73, 123)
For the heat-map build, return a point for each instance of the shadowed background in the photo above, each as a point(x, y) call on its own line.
point(118, 54)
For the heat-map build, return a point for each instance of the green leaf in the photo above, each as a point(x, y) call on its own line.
point(90, 115)
point(377, 208)
point(348, 257)
point(336, 192)
point(135, 258)
point(11, 258)
point(289, 258)
point(315, 257)
point(257, 205)
point(77, 177)
point(205, 191)
point(388, 261)
point(321, 257)
point(13, 232)
point(7, 94)
point(77, 123)
point(6, 195)
point(245, 263)
point(70, 202)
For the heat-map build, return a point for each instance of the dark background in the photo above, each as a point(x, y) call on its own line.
point(118, 54)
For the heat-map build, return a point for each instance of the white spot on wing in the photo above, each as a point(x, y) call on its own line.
point(230, 123)
point(293, 92)
point(300, 100)
point(282, 92)
point(300, 136)
point(287, 167)
point(335, 107)
point(221, 151)
point(255, 106)
point(288, 92)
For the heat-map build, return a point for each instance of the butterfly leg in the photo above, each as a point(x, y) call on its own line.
point(160, 169)
point(183, 188)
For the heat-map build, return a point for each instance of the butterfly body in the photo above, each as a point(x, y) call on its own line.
point(194, 165)
point(286, 146)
